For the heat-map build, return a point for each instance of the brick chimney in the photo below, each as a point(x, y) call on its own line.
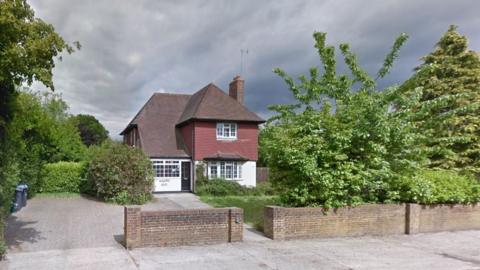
point(236, 88)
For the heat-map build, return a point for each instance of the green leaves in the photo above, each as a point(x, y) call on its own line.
point(448, 114)
point(392, 55)
point(121, 174)
point(339, 145)
point(28, 45)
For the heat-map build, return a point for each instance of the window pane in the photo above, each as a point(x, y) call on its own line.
point(226, 131)
point(228, 172)
point(222, 169)
point(233, 130)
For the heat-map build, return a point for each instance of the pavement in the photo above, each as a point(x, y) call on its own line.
point(446, 250)
point(83, 233)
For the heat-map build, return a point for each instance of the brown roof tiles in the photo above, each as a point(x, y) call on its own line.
point(159, 117)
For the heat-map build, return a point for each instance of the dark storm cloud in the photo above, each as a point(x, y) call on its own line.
point(134, 48)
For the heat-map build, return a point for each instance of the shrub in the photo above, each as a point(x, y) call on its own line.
point(343, 139)
point(221, 187)
point(440, 186)
point(121, 174)
point(63, 177)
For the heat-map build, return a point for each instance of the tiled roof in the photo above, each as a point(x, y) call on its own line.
point(156, 125)
point(211, 103)
point(159, 117)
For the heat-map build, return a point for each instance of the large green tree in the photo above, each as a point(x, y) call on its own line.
point(40, 136)
point(28, 47)
point(91, 130)
point(341, 142)
point(448, 115)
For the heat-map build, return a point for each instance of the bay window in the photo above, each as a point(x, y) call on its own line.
point(230, 170)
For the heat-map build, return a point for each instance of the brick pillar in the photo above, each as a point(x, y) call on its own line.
point(412, 225)
point(235, 224)
point(132, 226)
point(274, 222)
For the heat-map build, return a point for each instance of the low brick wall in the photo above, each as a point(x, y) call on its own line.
point(182, 227)
point(282, 223)
point(294, 223)
point(443, 217)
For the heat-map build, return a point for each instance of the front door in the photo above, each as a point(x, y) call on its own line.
point(186, 176)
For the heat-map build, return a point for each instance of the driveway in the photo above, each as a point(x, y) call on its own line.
point(76, 233)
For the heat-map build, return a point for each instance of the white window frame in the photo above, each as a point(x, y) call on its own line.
point(229, 170)
point(227, 131)
point(166, 168)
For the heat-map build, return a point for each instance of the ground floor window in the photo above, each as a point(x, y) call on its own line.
point(166, 168)
point(230, 170)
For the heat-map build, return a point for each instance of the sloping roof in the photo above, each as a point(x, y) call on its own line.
point(159, 117)
point(211, 103)
point(156, 125)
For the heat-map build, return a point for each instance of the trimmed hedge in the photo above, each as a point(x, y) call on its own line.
point(440, 186)
point(63, 177)
point(221, 187)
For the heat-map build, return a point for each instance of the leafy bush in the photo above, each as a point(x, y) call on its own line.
point(63, 177)
point(440, 186)
point(121, 174)
point(343, 140)
point(221, 187)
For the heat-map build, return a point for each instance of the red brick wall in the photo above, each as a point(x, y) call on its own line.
point(182, 227)
point(372, 219)
point(206, 143)
point(297, 223)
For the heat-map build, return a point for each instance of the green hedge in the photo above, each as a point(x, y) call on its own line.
point(63, 177)
point(440, 186)
point(221, 187)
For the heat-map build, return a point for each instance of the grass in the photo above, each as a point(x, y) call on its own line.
point(58, 195)
point(252, 206)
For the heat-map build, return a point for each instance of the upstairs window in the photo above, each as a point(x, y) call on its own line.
point(226, 131)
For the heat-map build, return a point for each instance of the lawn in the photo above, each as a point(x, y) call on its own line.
point(252, 206)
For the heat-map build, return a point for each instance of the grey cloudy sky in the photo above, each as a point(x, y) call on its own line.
point(131, 49)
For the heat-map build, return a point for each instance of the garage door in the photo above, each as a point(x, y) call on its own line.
point(171, 175)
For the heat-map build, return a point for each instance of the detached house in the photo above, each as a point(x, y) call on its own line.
point(210, 128)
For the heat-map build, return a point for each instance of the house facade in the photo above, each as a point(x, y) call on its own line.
point(209, 132)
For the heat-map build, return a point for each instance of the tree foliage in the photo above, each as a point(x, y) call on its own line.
point(91, 130)
point(342, 142)
point(28, 47)
point(448, 114)
point(41, 136)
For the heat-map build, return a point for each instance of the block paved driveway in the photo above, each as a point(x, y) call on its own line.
point(81, 233)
